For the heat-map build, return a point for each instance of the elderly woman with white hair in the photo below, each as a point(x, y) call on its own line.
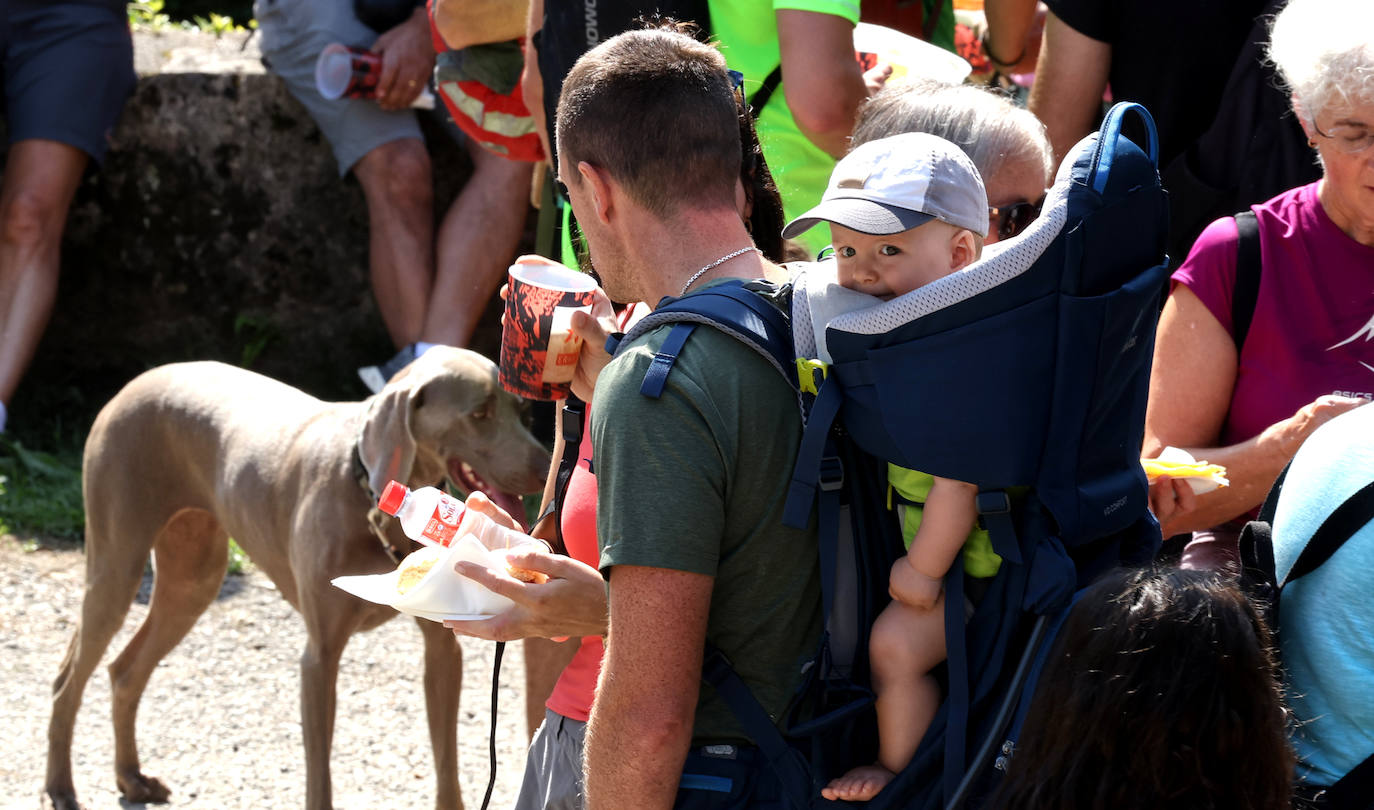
point(1247, 398)
point(1006, 143)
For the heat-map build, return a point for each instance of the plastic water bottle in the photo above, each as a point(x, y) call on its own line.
point(428, 515)
point(433, 517)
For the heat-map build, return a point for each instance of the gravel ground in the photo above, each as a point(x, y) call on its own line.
point(220, 720)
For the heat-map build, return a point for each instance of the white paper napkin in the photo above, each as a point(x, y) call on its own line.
point(443, 593)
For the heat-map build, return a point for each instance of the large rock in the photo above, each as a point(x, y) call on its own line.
point(217, 229)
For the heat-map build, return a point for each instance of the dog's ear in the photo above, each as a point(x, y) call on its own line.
point(387, 446)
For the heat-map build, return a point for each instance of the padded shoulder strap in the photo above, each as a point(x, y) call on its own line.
point(737, 307)
point(1248, 269)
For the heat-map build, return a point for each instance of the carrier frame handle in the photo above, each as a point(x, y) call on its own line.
point(1110, 133)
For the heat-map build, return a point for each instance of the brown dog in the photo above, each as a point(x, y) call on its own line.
point(188, 455)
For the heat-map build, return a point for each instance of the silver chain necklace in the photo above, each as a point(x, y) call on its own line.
point(717, 263)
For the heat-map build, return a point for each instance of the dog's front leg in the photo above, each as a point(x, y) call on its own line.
point(443, 682)
point(319, 679)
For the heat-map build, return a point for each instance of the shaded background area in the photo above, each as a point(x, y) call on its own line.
point(217, 229)
point(240, 10)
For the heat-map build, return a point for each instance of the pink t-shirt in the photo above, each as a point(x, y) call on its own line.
point(1312, 332)
point(576, 687)
point(572, 695)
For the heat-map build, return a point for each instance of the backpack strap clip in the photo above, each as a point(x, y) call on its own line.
point(831, 474)
point(807, 371)
point(994, 510)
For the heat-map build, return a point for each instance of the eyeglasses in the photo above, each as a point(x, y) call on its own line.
point(1013, 219)
point(1348, 139)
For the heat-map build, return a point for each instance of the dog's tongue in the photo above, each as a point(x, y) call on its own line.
point(470, 481)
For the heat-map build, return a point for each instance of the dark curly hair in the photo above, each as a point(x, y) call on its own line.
point(1161, 691)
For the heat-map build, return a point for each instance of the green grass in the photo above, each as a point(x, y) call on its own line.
point(42, 490)
point(158, 15)
point(40, 496)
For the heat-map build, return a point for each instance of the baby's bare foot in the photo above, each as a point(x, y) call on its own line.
point(859, 785)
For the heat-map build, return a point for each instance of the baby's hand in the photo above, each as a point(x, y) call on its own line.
point(911, 587)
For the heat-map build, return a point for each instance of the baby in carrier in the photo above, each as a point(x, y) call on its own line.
point(903, 212)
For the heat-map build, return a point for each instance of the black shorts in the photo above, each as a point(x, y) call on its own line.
point(67, 68)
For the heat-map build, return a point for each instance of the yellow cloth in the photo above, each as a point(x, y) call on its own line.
point(980, 561)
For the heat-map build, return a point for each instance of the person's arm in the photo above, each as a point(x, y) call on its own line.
point(822, 81)
point(1191, 384)
point(407, 61)
point(462, 23)
point(1070, 78)
point(1012, 42)
point(946, 520)
point(532, 81)
point(641, 723)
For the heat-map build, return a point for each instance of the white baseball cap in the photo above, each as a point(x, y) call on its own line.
point(894, 184)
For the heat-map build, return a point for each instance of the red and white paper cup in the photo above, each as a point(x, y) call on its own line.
point(345, 71)
point(539, 350)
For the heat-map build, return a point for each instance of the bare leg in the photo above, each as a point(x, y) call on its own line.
point(40, 179)
point(400, 209)
point(477, 241)
point(906, 645)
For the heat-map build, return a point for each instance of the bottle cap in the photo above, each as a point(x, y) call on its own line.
point(392, 497)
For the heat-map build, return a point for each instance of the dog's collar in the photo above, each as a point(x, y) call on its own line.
point(360, 471)
point(364, 479)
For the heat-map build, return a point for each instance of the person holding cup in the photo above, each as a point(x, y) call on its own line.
point(431, 284)
point(574, 601)
point(689, 530)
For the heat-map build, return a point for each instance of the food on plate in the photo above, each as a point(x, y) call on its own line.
point(1177, 463)
point(415, 566)
point(526, 575)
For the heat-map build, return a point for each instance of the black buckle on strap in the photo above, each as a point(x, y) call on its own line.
point(831, 473)
point(993, 503)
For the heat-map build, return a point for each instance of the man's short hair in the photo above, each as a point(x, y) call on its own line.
point(655, 109)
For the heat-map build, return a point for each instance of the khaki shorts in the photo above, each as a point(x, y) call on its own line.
point(293, 34)
point(553, 767)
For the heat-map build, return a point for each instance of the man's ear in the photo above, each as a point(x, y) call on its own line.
point(963, 249)
point(602, 189)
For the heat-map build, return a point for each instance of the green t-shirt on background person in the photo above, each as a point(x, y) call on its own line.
point(747, 33)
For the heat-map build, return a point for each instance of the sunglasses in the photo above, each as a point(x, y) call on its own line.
point(1013, 219)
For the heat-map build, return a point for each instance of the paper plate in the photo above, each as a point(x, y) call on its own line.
point(443, 593)
point(909, 57)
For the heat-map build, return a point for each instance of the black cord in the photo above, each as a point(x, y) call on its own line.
point(495, 695)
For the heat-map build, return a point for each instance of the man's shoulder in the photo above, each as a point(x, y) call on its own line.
point(712, 367)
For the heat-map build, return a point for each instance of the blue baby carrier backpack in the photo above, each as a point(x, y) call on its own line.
point(1026, 374)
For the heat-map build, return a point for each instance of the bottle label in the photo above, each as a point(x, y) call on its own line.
point(443, 524)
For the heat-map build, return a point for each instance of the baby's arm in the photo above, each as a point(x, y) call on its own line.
point(946, 521)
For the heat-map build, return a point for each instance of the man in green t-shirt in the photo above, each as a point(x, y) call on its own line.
point(692, 483)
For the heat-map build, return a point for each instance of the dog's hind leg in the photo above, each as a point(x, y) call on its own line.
point(443, 683)
point(189, 560)
point(114, 569)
